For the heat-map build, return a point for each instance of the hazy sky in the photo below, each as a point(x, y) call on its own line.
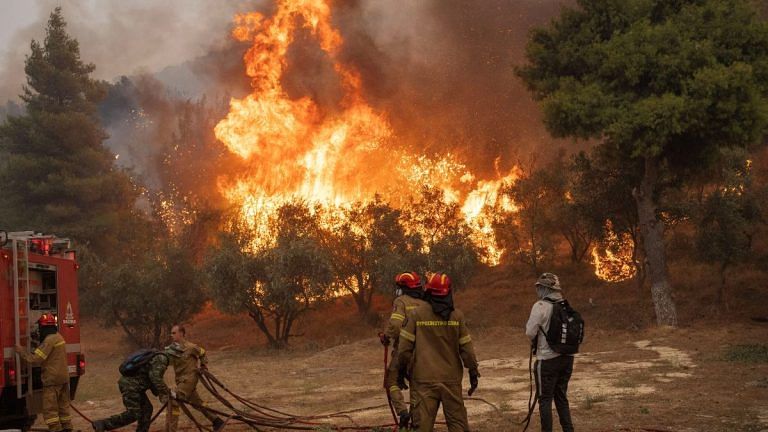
point(120, 37)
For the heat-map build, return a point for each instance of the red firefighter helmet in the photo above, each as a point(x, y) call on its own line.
point(46, 320)
point(410, 280)
point(439, 285)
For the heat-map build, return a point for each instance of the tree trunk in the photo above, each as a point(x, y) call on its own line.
point(652, 230)
point(258, 318)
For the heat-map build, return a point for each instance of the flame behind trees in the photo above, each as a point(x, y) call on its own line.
point(335, 154)
point(728, 216)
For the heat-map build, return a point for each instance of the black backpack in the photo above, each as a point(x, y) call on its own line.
point(566, 328)
point(136, 360)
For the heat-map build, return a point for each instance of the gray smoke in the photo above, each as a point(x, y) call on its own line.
point(126, 37)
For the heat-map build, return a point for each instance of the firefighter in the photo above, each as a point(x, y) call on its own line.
point(51, 355)
point(435, 338)
point(409, 295)
point(186, 357)
point(134, 392)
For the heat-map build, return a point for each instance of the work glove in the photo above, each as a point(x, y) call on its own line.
point(402, 374)
point(384, 339)
point(473, 376)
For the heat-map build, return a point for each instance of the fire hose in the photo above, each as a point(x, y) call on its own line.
point(386, 390)
point(531, 398)
point(263, 418)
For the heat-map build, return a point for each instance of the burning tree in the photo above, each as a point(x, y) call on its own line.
point(531, 231)
point(277, 283)
point(664, 83)
point(368, 245)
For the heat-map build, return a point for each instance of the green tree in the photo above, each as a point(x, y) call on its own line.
point(664, 82)
point(275, 285)
point(148, 292)
point(368, 246)
point(602, 191)
point(532, 230)
point(58, 176)
point(728, 217)
point(440, 239)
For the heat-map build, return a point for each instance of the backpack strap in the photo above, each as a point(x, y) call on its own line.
point(553, 301)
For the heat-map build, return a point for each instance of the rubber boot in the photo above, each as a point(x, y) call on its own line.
point(405, 419)
point(217, 424)
point(99, 426)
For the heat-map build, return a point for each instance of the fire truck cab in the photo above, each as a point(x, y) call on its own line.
point(38, 274)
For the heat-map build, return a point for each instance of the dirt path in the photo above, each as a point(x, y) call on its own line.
point(656, 379)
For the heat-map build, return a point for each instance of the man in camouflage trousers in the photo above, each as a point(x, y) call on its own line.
point(435, 338)
point(134, 391)
point(186, 357)
point(409, 294)
point(51, 355)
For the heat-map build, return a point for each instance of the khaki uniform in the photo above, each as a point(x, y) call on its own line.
point(402, 306)
point(436, 349)
point(185, 367)
point(51, 355)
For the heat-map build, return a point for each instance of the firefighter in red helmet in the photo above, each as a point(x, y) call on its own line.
point(51, 355)
point(409, 294)
point(434, 345)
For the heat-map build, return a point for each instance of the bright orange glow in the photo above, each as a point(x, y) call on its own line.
point(613, 257)
point(294, 148)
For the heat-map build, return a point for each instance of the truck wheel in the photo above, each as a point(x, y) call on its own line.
point(28, 423)
point(23, 424)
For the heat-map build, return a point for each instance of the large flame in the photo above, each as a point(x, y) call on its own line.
point(613, 257)
point(296, 148)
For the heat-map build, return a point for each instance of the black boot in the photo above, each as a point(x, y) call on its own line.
point(99, 426)
point(217, 424)
point(405, 419)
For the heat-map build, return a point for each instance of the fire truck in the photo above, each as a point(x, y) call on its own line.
point(38, 274)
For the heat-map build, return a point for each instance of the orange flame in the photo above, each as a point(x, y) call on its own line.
point(613, 258)
point(295, 148)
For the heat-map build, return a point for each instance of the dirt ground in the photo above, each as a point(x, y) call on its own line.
point(630, 376)
point(655, 379)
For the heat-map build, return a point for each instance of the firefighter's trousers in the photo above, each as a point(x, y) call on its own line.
point(56, 407)
point(186, 391)
point(426, 399)
point(137, 407)
point(398, 402)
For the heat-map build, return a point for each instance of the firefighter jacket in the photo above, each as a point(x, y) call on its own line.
point(402, 305)
point(185, 358)
point(435, 347)
point(51, 355)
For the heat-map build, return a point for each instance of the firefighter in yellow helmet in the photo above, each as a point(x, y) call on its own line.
point(434, 344)
point(409, 295)
point(186, 357)
point(51, 355)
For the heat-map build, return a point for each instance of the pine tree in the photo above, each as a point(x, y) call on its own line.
point(58, 177)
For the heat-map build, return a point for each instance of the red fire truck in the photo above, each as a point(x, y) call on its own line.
point(38, 274)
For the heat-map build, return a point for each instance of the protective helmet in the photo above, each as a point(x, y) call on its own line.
point(46, 319)
point(438, 285)
point(549, 280)
point(409, 280)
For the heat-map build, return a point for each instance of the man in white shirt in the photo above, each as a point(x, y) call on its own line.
point(553, 370)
